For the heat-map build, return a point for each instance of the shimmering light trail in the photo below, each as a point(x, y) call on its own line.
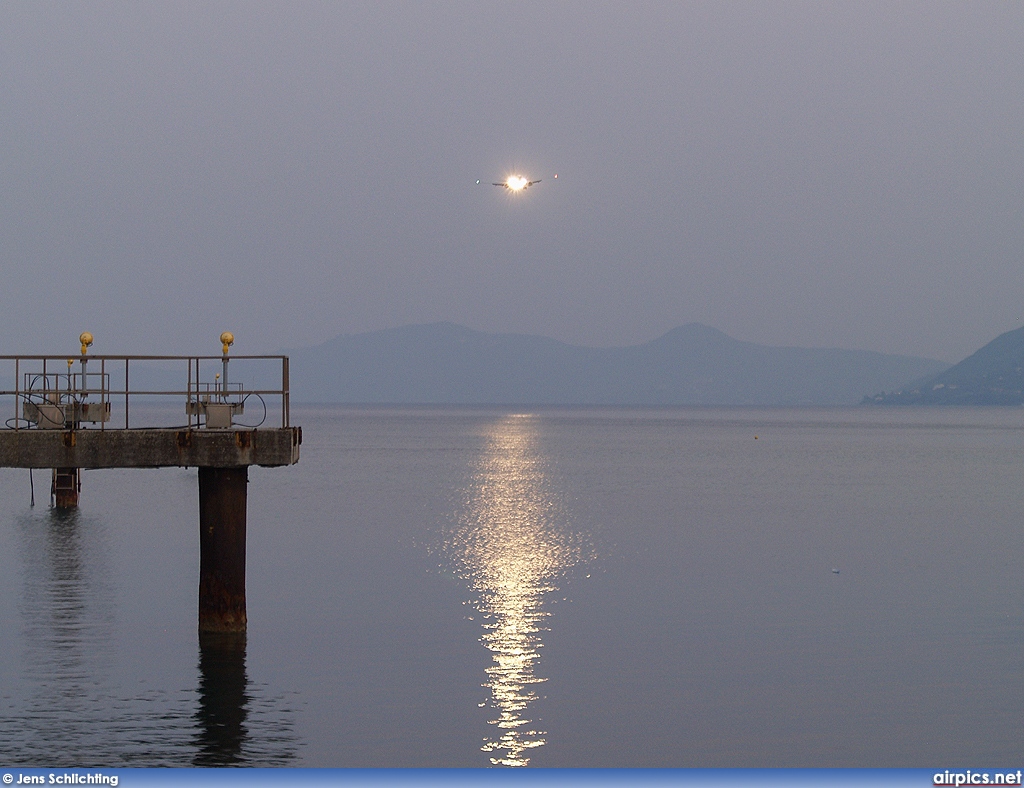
point(512, 543)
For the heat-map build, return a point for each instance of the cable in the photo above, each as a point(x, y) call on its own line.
point(262, 420)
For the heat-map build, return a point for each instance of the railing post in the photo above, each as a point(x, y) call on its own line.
point(285, 386)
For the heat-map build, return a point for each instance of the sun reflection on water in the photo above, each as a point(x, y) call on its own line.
point(512, 542)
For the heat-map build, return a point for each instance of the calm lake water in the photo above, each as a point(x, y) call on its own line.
point(553, 587)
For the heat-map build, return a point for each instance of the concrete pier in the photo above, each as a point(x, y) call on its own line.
point(63, 417)
point(149, 448)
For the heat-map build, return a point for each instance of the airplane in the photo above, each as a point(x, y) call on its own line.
point(517, 183)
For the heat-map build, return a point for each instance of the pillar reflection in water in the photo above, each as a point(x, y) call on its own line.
point(56, 609)
point(237, 723)
point(66, 623)
point(512, 542)
point(223, 699)
point(75, 697)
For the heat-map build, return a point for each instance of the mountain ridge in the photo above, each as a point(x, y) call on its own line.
point(992, 375)
point(692, 364)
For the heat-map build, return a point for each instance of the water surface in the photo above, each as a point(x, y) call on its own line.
point(553, 587)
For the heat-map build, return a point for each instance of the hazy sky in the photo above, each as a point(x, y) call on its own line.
point(840, 174)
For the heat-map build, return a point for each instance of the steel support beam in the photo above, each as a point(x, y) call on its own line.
point(65, 487)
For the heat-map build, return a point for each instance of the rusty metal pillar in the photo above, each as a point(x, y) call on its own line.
point(65, 487)
point(222, 493)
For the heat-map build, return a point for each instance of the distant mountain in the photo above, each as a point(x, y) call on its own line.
point(993, 375)
point(693, 365)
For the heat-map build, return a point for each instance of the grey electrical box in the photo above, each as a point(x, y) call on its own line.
point(218, 414)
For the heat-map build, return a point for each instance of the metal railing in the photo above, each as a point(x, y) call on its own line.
point(72, 392)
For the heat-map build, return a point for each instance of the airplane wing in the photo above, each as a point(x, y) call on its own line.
point(526, 185)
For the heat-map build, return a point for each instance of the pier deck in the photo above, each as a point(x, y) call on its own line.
point(149, 448)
